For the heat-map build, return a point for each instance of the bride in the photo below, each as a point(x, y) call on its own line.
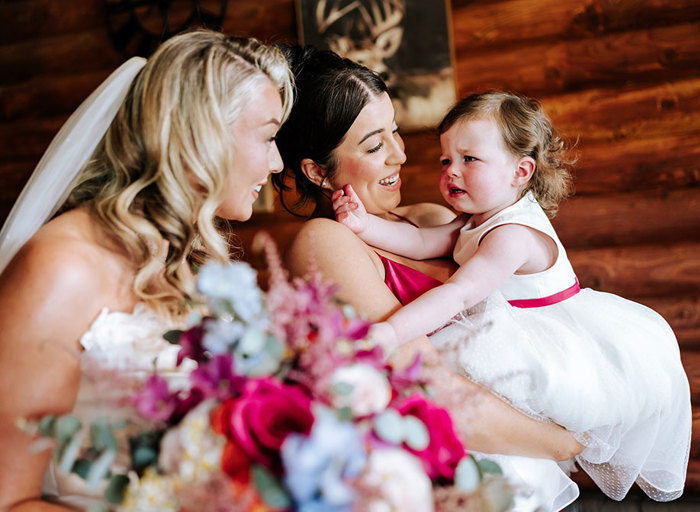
point(172, 143)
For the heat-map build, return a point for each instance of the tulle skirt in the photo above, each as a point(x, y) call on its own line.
point(605, 368)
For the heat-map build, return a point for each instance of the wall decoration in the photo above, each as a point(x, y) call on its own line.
point(406, 41)
point(137, 27)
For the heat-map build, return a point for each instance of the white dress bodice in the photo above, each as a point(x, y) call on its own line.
point(525, 212)
point(132, 344)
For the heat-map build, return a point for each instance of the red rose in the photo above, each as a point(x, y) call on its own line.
point(445, 450)
point(260, 419)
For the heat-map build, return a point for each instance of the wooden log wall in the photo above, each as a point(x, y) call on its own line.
point(620, 76)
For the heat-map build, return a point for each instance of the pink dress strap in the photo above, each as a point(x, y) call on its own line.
point(406, 283)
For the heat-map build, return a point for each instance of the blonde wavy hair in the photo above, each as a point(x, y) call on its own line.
point(160, 171)
point(526, 131)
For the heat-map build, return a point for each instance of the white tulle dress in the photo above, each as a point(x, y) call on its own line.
point(133, 344)
point(605, 368)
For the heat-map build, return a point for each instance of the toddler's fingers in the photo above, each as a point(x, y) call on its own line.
point(340, 202)
point(345, 209)
point(336, 194)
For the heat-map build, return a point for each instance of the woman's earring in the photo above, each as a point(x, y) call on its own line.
point(323, 182)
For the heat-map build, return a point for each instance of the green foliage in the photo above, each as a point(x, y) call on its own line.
point(270, 488)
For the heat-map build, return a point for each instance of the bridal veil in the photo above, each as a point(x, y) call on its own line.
point(54, 176)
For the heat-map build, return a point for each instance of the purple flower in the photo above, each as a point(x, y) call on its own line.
point(216, 379)
point(191, 344)
point(155, 401)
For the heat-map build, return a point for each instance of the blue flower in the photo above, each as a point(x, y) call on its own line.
point(231, 286)
point(220, 335)
point(317, 467)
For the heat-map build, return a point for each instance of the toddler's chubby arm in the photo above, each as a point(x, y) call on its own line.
point(504, 251)
point(399, 238)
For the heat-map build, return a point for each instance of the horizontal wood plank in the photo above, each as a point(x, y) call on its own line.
point(650, 55)
point(488, 24)
point(642, 271)
point(633, 218)
point(602, 116)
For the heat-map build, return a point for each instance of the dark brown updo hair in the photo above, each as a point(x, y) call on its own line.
point(331, 91)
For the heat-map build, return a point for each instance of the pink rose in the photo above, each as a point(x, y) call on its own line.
point(445, 450)
point(265, 413)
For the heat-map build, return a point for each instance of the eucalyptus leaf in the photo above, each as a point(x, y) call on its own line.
point(114, 493)
point(173, 336)
point(100, 469)
point(143, 456)
point(467, 474)
point(65, 427)
point(345, 413)
point(144, 449)
point(270, 489)
point(46, 425)
point(252, 342)
point(70, 452)
point(96, 507)
point(489, 466)
point(102, 436)
point(342, 388)
point(389, 426)
point(416, 434)
point(81, 467)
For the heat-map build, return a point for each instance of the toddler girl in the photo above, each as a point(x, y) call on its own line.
point(513, 317)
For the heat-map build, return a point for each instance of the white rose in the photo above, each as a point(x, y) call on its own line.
point(192, 450)
point(401, 482)
point(362, 388)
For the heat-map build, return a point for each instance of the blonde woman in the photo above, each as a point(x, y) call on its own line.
point(192, 139)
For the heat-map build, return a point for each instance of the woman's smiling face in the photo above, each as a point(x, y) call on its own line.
point(371, 155)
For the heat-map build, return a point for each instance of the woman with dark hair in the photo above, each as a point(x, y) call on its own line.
point(342, 130)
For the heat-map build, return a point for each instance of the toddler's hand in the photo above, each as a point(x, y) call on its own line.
point(349, 210)
point(384, 335)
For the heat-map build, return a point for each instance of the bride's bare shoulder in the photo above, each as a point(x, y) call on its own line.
point(66, 255)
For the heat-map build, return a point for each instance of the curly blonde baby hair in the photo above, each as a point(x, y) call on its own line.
point(160, 172)
point(526, 131)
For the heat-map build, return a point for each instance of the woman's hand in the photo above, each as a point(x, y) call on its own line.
point(349, 210)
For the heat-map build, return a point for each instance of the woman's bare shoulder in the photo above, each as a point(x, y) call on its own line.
point(65, 271)
point(344, 259)
point(325, 240)
point(426, 214)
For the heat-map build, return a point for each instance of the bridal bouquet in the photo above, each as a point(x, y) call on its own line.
point(288, 407)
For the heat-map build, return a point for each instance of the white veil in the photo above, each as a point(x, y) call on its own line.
point(54, 176)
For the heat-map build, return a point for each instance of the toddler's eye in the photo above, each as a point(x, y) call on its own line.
point(445, 161)
point(468, 158)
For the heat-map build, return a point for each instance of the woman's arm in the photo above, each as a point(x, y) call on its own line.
point(486, 423)
point(46, 304)
point(325, 245)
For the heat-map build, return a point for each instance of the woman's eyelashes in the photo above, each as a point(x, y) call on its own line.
point(380, 144)
point(376, 148)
